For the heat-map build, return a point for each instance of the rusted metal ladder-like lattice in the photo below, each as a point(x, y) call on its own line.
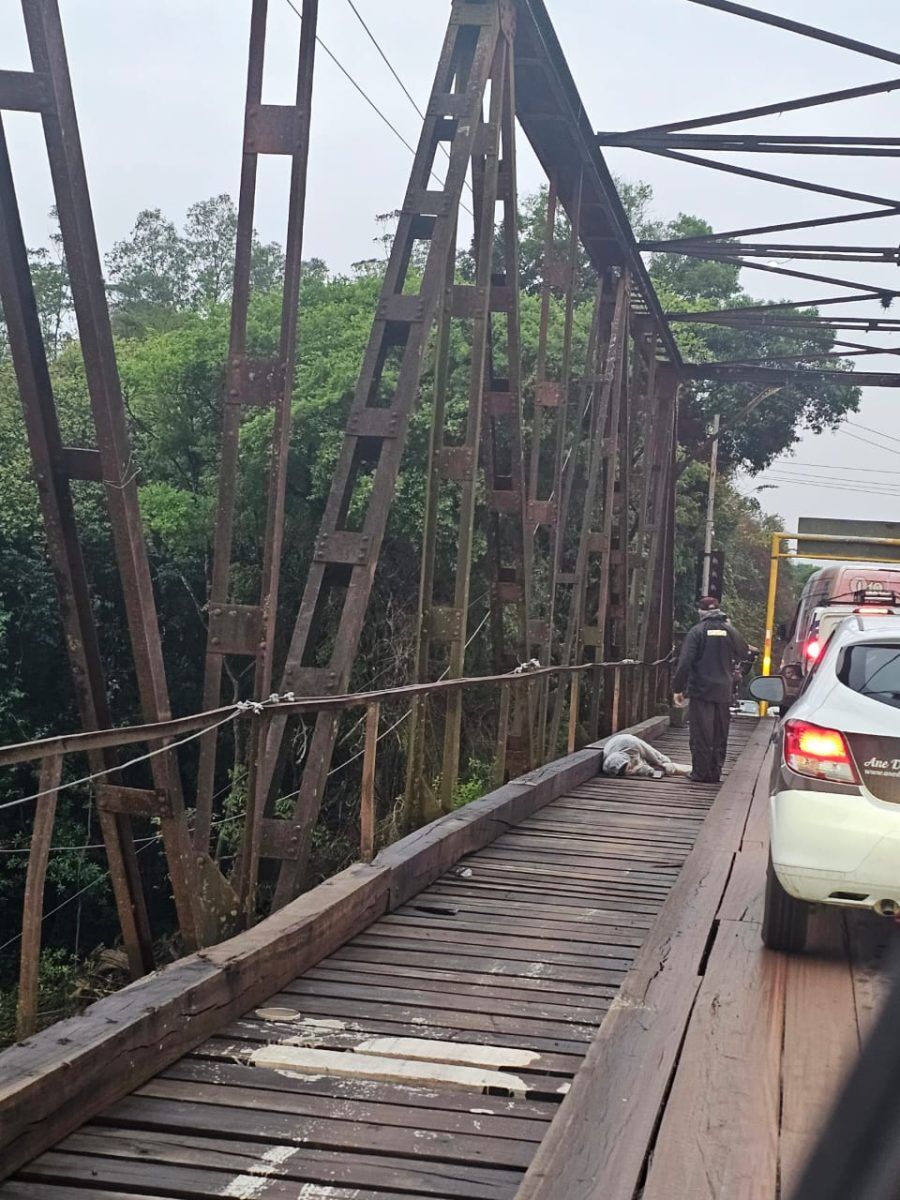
point(493, 428)
point(326, 635)
point(248, 630)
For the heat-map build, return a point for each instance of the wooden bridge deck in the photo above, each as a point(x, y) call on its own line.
point(427, 1056)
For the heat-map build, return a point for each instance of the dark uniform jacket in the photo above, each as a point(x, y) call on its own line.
point(708, 656)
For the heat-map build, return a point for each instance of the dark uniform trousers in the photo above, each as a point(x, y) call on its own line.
point(709, 724)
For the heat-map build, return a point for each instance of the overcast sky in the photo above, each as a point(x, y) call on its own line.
point(159, 87)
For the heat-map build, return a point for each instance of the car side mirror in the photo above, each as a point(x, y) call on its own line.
point(768, 688)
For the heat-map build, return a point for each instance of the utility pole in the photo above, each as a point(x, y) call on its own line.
point(710, 506)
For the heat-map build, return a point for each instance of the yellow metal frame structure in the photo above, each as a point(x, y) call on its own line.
point(778, 540)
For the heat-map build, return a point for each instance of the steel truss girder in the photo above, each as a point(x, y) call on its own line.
point(110, 464)
point(322, 651)
point(548, 432)
point(596, 524)
point(248, 631)
point(453, 474)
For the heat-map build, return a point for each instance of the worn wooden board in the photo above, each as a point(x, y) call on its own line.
point(598, 1142)
point(821, 1038)
point(51, 1083)
point(719, 1134)
point(417, 860)
point(56, 1080)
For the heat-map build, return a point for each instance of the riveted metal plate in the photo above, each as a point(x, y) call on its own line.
point(255, 381)
point(342, 547)
point(445, 624)
point(402, 309)
point(275, 129)
point(542, 512)
point(501, 404)
point(374, 423)
point(549, 393)
point(235, 629)
point(279, 839)
point(456, 462)
point(507, 591)
point(134, 802)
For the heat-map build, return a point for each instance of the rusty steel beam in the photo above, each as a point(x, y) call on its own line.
point(809, 31)
point(453, 474)
point(550, 409)
point(595, 528)
point(776, 109)
point(509, 552)
point(700, 248)
point(726, 373)
point(247, 631)
point(785, 306)
point(871, 214)
point(554, 119)
point(803, 185)
point(325, 639)
point(756, 143)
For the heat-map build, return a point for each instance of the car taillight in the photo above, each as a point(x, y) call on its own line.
point(812, 649)
point(818, 752)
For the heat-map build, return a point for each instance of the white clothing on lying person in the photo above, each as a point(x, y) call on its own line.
point(625, 754)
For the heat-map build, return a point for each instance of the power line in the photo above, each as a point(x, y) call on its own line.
point(365, 95)
point(868, 429)
point(783, 464)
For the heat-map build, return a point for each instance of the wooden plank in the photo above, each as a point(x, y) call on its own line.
point(745, 894)
point(598, 1142)
point(210, 1167)
point(821, 1039)
point(441, 1105)
point(871, 941)
point(58, 1079)
point(357, 1109)
point(719, 1134)
point(290, 1128)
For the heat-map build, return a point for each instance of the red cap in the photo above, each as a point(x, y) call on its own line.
point(708, 603)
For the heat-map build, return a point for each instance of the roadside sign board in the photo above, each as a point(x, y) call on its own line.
point(848, 529)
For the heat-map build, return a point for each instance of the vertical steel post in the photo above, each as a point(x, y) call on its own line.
point(240, 629)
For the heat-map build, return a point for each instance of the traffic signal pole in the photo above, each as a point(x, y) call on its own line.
point(710, 506)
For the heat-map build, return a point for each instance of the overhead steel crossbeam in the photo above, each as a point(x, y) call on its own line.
point(757, 143)
point(728, 373)
point(715, 250)
point(196, 885)
point(767, 110)
point(810, 31)
point(670, 140)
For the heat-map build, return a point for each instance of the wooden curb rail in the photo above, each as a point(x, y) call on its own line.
point(57, 1080)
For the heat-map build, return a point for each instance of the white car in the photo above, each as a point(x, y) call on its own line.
point(835, 787)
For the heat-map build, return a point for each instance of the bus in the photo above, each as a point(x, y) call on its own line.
point(845, 587)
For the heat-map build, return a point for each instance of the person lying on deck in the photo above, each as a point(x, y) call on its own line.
point(625, 754)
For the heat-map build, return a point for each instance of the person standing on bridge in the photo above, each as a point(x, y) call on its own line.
point(705, 675)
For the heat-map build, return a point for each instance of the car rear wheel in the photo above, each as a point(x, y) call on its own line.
point(784, 918)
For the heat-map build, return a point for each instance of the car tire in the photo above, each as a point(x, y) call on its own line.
point(784, 918)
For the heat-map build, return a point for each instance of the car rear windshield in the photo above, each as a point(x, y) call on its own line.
point(874, 671)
